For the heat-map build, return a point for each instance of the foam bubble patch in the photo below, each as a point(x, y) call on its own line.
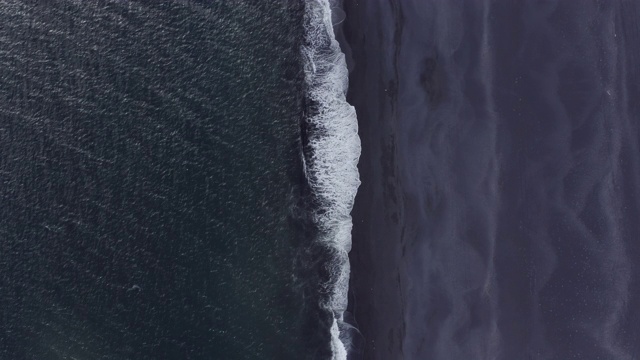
point(334, 150)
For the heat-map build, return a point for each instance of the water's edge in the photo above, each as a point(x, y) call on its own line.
point(331, 149)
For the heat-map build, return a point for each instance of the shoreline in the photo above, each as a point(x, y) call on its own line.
point(330, 157)
point(376, 283)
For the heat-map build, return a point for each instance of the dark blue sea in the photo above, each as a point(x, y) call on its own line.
point(168, 183)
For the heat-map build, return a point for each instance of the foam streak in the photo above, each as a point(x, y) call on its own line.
point(334, 150)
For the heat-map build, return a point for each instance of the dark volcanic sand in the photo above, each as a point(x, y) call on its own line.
point(498, 212)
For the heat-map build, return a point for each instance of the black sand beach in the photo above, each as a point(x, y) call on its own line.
point(498, 212)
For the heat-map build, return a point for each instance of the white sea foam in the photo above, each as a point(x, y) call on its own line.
point(331, 165)
point(337, 347)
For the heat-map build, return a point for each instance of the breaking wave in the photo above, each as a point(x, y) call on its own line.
point(332, 150)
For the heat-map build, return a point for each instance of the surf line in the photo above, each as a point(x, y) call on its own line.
point(330, 164)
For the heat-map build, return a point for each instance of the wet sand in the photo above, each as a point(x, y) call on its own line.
point(497, 216)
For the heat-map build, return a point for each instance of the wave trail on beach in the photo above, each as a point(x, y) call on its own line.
point(331, 156)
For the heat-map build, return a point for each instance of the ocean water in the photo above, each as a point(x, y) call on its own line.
point(176, 180)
